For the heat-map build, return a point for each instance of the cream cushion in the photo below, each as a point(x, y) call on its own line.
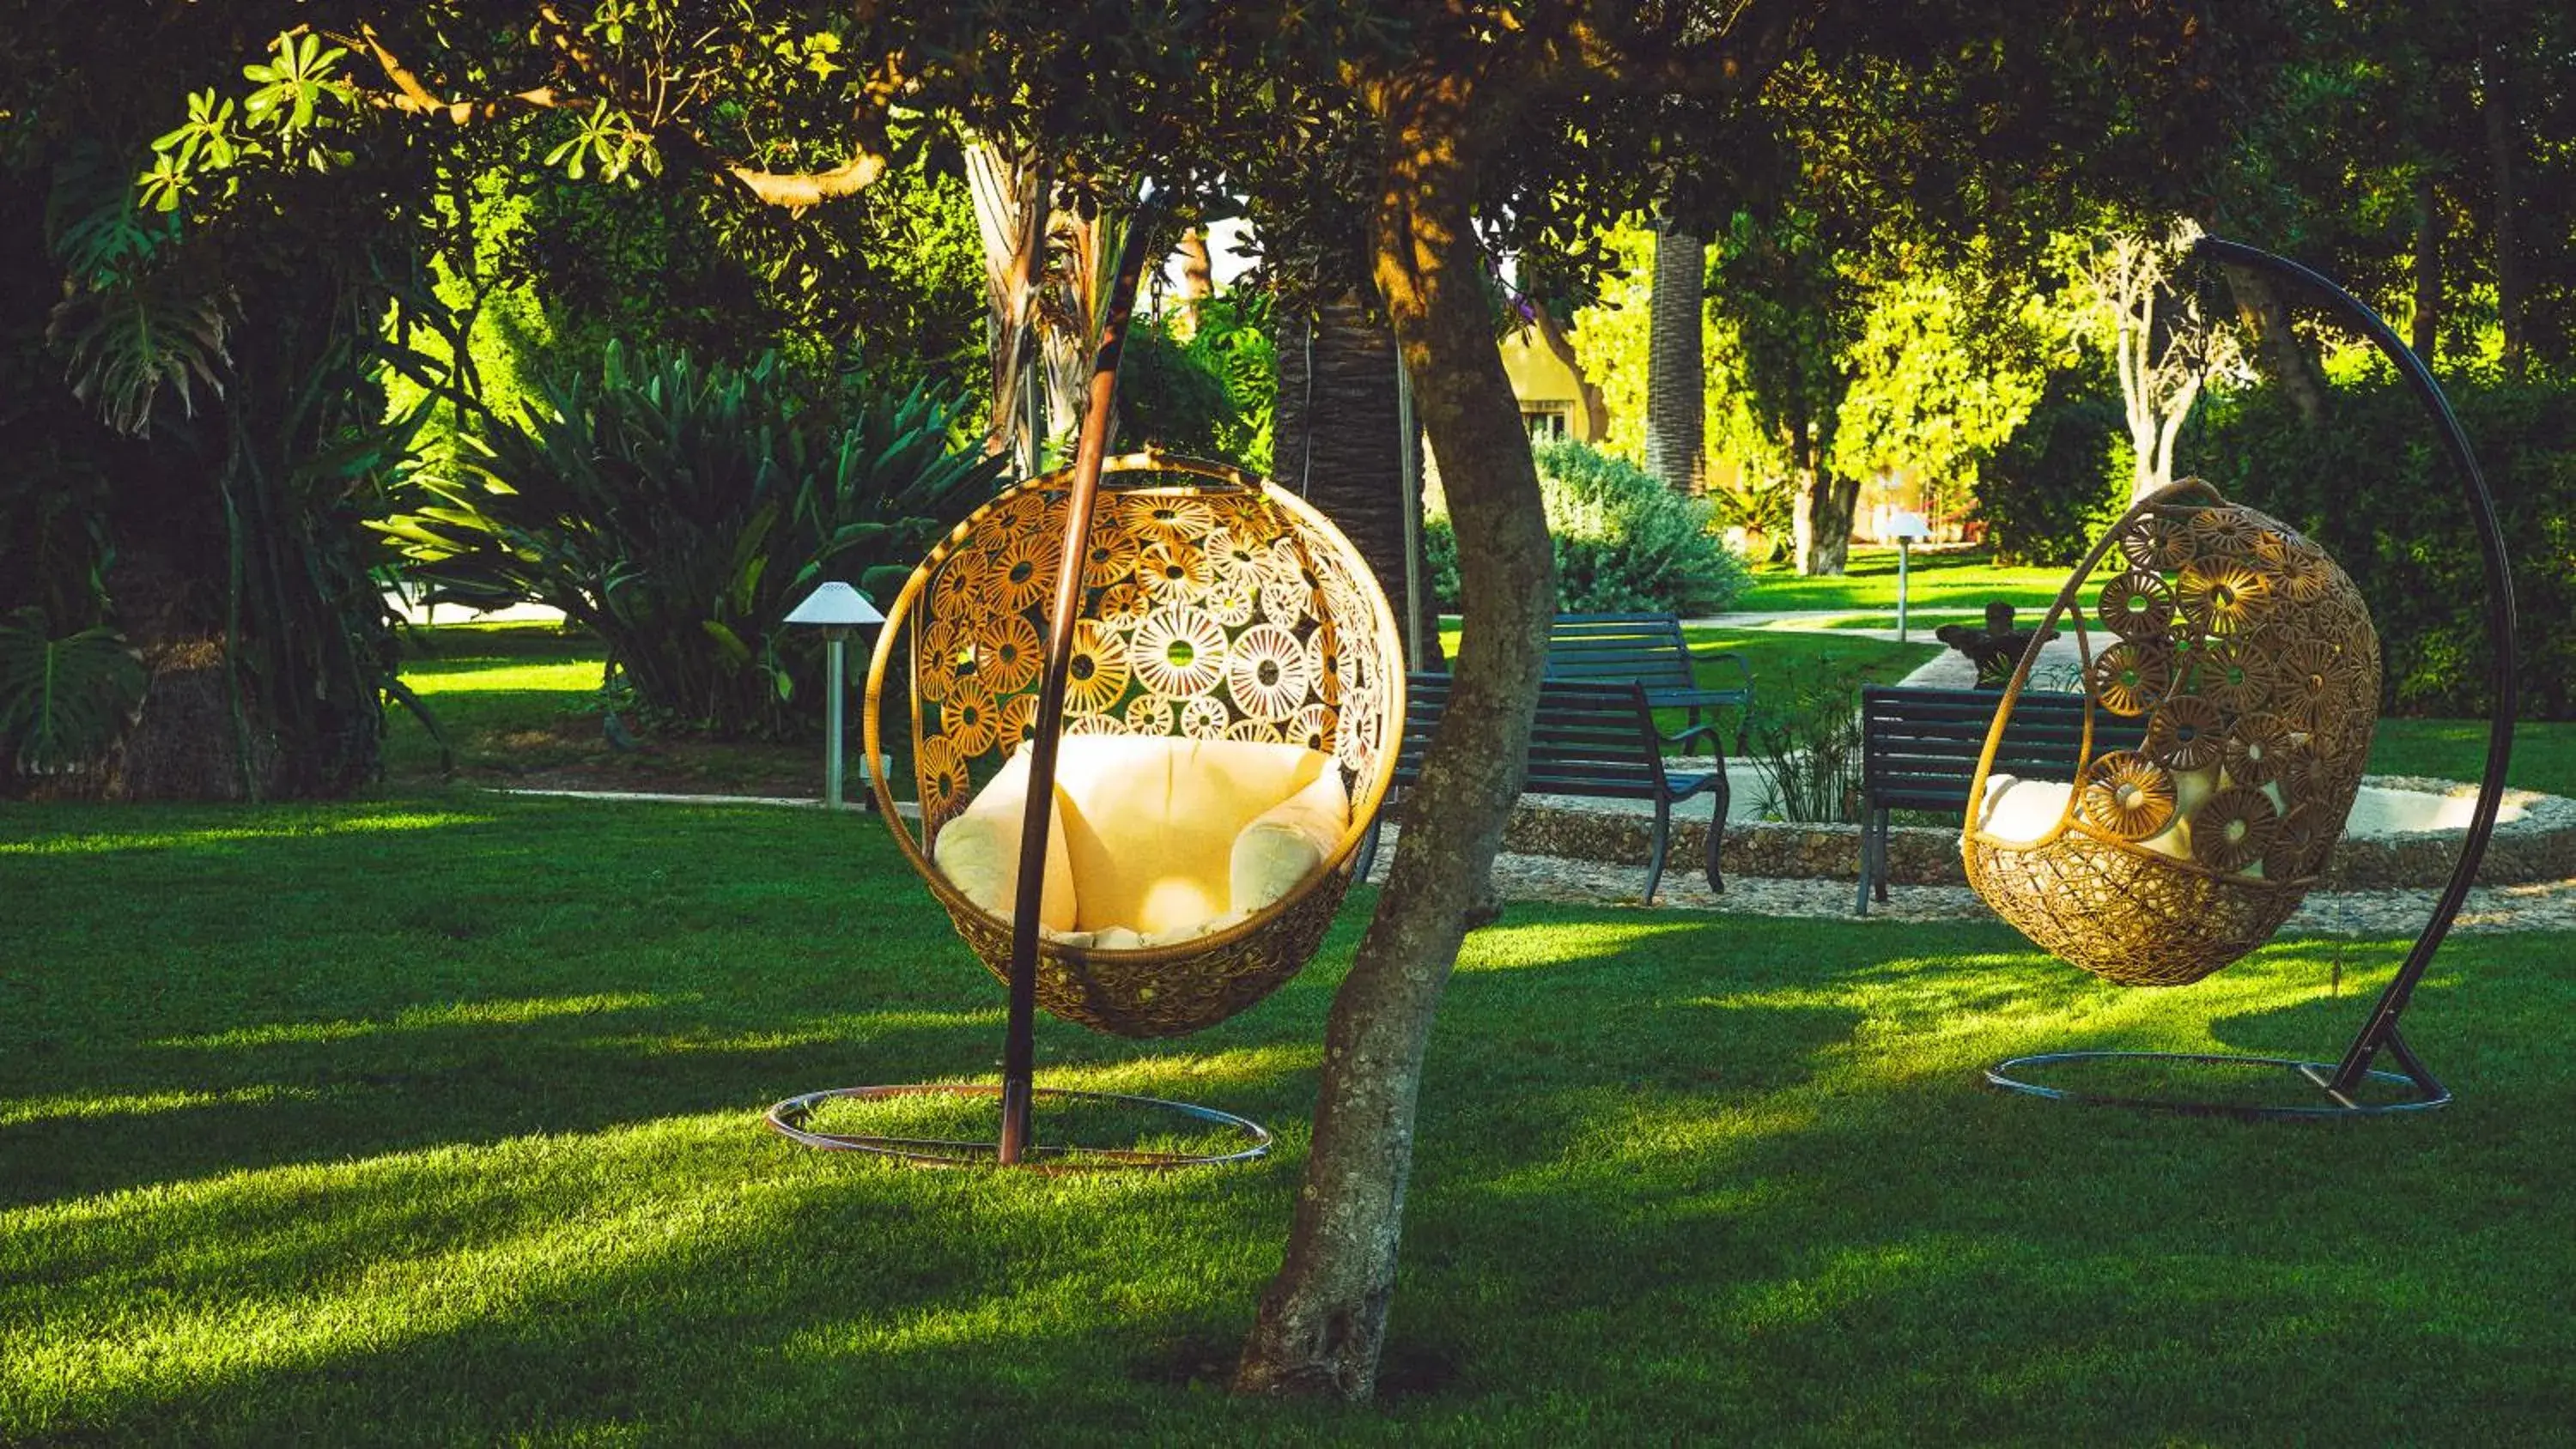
point(1164, 839)
point(979, 851)
point(2021, 811)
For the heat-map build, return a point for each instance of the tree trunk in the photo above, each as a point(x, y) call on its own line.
point(2430, 226)
point(1337, 444)
point(1198, 282)
point(2495, 109)
point(2285, 362)
point(1676, 381)
point(1322, 1322)
point(1824, 524)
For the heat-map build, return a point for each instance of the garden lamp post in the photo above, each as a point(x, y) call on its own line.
point(838, 608)
point(1905, 528)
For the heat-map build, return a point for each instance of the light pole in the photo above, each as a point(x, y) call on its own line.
point(838, 608)
point(1905, 528)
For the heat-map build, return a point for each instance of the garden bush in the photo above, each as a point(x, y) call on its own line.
point(2061, 478)
point(2374, 487)
point(1209, 395)
point(679, 510)
point(1623, 540)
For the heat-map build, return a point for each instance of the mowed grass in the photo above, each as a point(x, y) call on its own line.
point(2544, 752)
point(436, 1120)
point(521, 702)
point(1935, 580)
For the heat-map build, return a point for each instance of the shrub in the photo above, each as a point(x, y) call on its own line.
point(1806, 740)
point(680, 510)
point(1623, 540)
point(1210, 396)
point(2375, 489)
point(2061, 478)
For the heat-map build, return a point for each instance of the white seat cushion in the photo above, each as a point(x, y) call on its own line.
point(979, 851)
point(1163, 839)
point(2020, 811)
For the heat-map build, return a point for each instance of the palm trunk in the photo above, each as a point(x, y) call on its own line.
point(1676, 391)
point(1338, 445)
point(1322, 1322)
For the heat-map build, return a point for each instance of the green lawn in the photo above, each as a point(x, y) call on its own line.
point(435, 1120)
point(2544, 753)
point(1934, 580)
point(1778, 657)
point(520, 703)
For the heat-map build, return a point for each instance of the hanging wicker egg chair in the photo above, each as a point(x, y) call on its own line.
point(2252, 659)
point(1218, 612)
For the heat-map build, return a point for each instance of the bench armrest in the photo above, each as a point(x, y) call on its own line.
point(1694, 732)
point(1743, 670)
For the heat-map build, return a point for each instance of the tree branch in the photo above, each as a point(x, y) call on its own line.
point(795, 190)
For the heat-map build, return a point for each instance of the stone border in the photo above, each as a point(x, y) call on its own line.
point(2540, 847)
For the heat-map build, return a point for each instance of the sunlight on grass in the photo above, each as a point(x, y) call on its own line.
point(141, 1104)
point(484, 676)
point(455, 1137)
point(845, 1029)
point(276, 828)
point(419, 1018)
point(1510, 947)
point(215, 1312)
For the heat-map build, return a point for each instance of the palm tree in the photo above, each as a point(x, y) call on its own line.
point(1339, 444)
point(1676, 399)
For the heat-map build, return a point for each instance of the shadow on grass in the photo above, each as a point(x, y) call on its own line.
point(1677, 1177)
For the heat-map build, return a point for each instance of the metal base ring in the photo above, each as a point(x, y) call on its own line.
point(2428, 1094)
point(790, 1118)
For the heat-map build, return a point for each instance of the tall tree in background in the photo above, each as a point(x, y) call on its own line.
point(2163, 349)
point(1797, 310)
point(1676, 374)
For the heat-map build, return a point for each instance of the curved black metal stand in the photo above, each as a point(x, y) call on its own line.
point(2340, 1083)
point(793, 1118)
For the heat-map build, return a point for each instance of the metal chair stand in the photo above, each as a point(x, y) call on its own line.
point(2341, 1083)
point(793, 1119)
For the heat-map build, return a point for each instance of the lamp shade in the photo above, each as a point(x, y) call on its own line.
point(836, 603)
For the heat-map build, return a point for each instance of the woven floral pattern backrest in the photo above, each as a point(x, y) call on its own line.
point(1211, 609)
point(2251, 657)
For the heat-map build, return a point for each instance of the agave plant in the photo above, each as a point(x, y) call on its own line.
point(678, 509)
point(62, 701)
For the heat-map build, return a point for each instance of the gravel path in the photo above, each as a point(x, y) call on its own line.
point(2547, 907)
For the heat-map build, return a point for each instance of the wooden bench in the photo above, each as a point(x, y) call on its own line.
point(1649, 649)
point(1590, 739)
point(1919, 750)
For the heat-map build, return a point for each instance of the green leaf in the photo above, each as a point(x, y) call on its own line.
point(63, 702)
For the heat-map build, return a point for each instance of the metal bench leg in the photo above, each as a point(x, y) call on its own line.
point(1663, 842)
point(1368, 848)
point(1717, 831)
point(1860, 902)
point(1879, 874)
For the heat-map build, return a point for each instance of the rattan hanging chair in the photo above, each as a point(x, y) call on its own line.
point(1215, 608)
point(2251, 660)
